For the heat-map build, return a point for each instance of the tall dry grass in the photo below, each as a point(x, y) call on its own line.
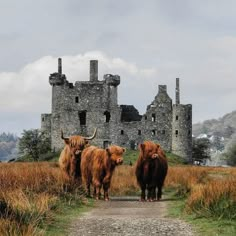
point(209, 191)
point(124, 181)
point(29, 193)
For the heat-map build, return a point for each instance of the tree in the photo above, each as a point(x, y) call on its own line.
point(201, 149)
point(231, 154)
point(33, 143)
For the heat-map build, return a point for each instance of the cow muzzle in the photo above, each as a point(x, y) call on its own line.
point(154, 156)
point(119, 161)
point(78, 152)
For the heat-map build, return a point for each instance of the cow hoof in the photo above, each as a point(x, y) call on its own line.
point(141, 200)
point(107, 199)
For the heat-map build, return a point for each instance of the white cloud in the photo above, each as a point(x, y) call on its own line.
point(28, 90)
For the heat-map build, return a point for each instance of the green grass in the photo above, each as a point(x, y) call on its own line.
point(65, 216)
point(206, 226)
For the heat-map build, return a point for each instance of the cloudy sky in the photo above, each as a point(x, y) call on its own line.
point(146, 42)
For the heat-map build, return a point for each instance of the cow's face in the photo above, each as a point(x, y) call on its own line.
point(116, 154)
point(149, 150)
point(76, 145)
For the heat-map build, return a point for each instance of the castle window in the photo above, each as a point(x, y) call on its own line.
point(82, 117)
point(122, 132)
point(76, 99)
point(153, 132)
point(163, 131)
point(189, 117)
point(139, 132)
point(153, 117)
point(42, 119)
point(106, 144)
point(107, 116)
point(189, 132)
point(176, 132)
point(177, 117)
point(145, 117)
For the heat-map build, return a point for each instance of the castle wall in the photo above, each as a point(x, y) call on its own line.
point(46, 123)
point(80, 108)
point(182, 131)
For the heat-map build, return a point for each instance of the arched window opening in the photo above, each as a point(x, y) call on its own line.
point(176, 132)
point(107, 115)
point(82, 117)
point(153, 117)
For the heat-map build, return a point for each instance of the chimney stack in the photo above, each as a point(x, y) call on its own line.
point(177, 92)
point(93, 70)
point(59, 66)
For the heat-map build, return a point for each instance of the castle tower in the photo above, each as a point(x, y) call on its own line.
point(182, 128)
point(93, 71)
point(177, 92)
point(57, 80)
point(158, 118)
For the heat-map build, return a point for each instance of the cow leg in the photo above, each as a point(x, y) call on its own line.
point(88, 189)
point(73, 163)
point(106, 186)
point(143, 195)
point(159, 192)
point(151, 193)
point(97, 187)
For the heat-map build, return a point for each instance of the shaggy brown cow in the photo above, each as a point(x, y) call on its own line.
point(97, 166)
point(151, 170)
point(69, 160)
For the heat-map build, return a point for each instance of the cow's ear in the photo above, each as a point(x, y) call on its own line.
point(124, 149)
point(141, 147)
point(67, 141)
point(157, 145)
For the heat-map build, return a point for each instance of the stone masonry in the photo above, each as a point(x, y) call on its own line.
point(79, 108)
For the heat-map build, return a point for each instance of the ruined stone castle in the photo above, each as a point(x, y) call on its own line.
point(79, 108)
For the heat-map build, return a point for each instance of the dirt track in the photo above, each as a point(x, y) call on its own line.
point(127, 216)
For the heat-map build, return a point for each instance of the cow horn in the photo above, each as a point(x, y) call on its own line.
point(91, 137)
point(62, 136)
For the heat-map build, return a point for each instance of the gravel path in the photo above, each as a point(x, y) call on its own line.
point(127, 216)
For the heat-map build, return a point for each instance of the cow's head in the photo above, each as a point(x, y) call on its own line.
point(77, 143)
point(116, 154)
point(149, 150)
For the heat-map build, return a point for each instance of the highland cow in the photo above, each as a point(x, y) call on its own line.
point(97, 167)
point(69, 160)
point(151, 170)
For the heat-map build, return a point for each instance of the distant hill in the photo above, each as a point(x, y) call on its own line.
point(220, 131)
point(8, 146)
point(224, 127)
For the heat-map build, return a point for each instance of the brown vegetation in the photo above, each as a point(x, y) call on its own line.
point(29, 192)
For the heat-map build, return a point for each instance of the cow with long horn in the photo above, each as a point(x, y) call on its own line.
point(69, 160)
